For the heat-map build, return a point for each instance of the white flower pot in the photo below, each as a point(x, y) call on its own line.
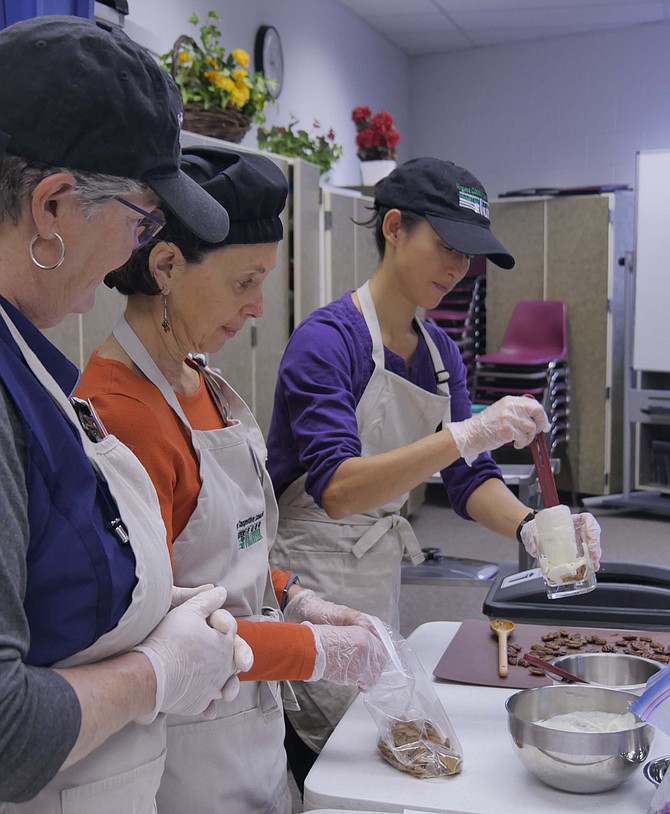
point(373, 171)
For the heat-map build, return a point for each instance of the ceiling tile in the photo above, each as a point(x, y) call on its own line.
point(588, 17)
point(434, 26)
point(365, 7)
point(412, 23)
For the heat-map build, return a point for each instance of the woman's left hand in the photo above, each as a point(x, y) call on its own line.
point(587, 529)
point(306, 606)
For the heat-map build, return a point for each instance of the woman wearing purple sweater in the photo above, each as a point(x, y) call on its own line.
point(370, 402)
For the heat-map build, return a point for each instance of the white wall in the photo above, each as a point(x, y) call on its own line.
point(333, 61)
point(569, 111)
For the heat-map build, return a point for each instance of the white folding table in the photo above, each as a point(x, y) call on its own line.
point(350, 773)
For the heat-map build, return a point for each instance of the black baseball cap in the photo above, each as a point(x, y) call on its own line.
point(74, 94)
point(451, 199)
point(252, 188)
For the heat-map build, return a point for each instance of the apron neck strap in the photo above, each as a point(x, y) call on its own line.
point(132, 345)
point(46, 379)
point(370, 316)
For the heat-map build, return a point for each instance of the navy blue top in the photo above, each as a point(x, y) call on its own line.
point(79, 575)
point(323, 374)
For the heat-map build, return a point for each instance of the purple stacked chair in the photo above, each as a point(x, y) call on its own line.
point(532, 358)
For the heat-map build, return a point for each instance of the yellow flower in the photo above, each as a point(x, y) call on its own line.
point(239, 97)
point(241, 57)
point(184, 56)
point(225, 83)
point(211, 61)
point(212, 76)
point(239, 76)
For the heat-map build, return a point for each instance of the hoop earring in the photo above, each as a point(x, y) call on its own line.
point(165, 324)
point(59, 262)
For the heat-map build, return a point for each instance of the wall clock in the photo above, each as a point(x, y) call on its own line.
point(269, 57)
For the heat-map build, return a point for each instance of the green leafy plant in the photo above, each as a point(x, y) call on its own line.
point(207, 76)
point(319, 147)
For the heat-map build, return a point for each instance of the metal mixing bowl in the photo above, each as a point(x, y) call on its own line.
point(618, 671)
point(584, 762)
point(655, 770)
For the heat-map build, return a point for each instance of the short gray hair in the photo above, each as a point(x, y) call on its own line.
point(18, 179)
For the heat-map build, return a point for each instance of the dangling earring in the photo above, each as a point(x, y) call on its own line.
point(166, 320)
point(31, 252)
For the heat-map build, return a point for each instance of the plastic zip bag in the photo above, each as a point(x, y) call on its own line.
point(653, 705)
point(414, 732)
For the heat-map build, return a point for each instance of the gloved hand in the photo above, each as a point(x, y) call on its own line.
point(219, 620)
point(180, 595)
point(243, 655)
point(514, 419)
point(306, 606)
point(192, 661)
point(587, 529)
point(347, 655)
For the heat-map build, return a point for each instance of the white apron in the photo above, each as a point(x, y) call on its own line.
point(123, 774)
point(356, 561)
point(234, 764)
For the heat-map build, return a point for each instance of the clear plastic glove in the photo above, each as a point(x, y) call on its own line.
point(587, 529)
point(306, 606)
point(513, 419)
point(347, 655)
point(192, 661)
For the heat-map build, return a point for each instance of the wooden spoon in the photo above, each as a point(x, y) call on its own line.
point(502, 628)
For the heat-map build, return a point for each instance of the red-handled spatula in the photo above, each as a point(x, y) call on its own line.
point(540, 453)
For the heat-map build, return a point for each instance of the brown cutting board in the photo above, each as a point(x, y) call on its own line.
point(472, 655)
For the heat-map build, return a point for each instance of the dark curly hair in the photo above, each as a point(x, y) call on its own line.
point(134, 277)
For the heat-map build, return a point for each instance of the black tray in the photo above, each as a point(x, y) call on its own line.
point(627, 595)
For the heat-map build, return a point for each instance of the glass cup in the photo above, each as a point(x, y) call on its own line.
point(564, 560)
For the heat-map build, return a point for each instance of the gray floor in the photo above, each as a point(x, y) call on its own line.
point(626, 537)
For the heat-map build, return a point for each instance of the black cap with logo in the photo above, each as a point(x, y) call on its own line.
point(451, 199)
point(76, 95)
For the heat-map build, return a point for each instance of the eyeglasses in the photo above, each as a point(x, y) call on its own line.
point(149, 226)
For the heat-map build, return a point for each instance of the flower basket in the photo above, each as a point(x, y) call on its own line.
point(230, 125)
point(220, 97)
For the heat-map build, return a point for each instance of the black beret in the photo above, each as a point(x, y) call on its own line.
point(251, 188)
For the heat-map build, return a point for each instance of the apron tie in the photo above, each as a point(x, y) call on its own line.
point(375, 533)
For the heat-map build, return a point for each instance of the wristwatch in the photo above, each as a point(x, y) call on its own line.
point(292, 580)
point(530, 516)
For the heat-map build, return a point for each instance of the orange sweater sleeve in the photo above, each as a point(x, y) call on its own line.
point(282, 651)
point(279, 580)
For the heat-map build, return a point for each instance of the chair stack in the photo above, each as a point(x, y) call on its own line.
point(462, 316)
point(532, 359)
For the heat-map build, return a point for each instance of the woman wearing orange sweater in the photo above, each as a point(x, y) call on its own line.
point(206, 457)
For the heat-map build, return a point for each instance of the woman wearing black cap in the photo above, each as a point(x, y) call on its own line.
point(89, 148)
point(206, 456)
point(362, 387)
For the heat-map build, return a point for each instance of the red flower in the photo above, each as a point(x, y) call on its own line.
point(360, 114)
point(376, 137)
point(331, 134)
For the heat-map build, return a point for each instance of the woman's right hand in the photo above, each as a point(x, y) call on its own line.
point(192, 660)
point(347, 655)
point(513, 419)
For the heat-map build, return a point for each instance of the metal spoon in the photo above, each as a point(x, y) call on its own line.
point(502, 628)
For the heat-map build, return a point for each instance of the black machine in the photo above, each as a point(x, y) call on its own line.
point(626, 596)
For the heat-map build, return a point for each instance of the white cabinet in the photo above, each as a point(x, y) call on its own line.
point(567, 248)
